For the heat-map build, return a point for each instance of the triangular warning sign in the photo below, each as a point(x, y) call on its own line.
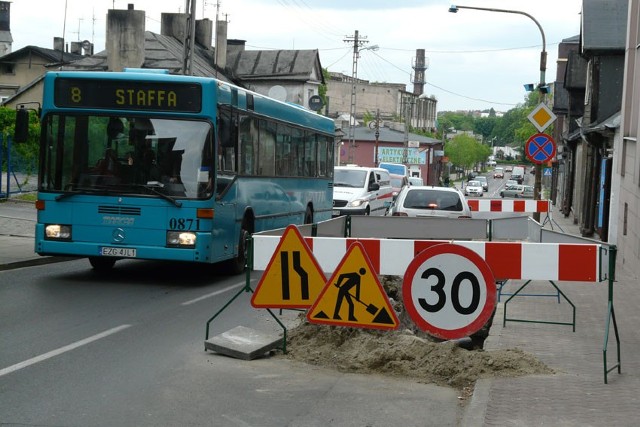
point(293, 278)
point(353, 296)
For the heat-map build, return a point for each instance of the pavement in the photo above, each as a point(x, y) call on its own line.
point(575, 395)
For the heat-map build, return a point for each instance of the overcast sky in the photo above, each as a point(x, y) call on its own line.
point(477, 59)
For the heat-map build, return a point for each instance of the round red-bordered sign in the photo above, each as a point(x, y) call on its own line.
point(449, 291)
point(540, 148)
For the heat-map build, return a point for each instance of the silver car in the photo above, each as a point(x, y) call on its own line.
point(427, 201)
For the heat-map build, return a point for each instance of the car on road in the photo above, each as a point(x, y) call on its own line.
point(517, 192)
point(474, 188)
point(508, 169)
point(483, 182)
point(428, 201)
point(510, 182)
point(415, 180)
point(397, 182)
point(511, 190)
point(498, 173)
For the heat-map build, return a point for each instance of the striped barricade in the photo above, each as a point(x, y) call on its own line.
point(507, 260)
point(508, 205)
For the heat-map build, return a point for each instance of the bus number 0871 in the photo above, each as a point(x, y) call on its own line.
point(184, 224)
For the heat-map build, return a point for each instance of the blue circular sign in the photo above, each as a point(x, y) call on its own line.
point(540, 148)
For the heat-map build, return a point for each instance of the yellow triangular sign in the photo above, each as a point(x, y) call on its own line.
point(353, 296)
point(293, 278)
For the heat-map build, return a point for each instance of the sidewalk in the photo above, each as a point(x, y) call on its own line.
point(575, 395)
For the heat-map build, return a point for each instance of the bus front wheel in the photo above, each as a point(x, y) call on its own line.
point(101, 264)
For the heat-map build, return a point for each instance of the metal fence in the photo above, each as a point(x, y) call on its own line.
point(19, 172)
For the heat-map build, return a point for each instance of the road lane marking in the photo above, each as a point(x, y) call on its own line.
point(213, 294)
point(61, 350)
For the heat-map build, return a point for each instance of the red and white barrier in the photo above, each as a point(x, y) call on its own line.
point(508, 205)
point(507, 260)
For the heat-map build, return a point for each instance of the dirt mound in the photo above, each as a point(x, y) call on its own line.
point(407, 352)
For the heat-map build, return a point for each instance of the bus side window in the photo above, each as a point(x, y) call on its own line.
point(226, 141)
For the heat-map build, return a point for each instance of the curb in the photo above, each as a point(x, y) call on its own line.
point(35, 262)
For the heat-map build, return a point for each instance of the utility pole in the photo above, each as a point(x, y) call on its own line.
point(189, 37)
point(357, 42)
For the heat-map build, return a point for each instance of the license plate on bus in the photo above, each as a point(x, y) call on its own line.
point(118, 252)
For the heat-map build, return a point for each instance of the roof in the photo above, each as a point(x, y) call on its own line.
point(276, 64)
point(390, 135)
point(604, 25)
point(52, 55)
point(161, 52)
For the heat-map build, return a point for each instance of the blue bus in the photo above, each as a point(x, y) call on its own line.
point(141, 164)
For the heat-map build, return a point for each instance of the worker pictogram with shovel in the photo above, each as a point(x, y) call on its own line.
point(345, 283)
point(354, 283)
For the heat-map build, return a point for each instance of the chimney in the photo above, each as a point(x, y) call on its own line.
point(204, 32)
point(221, 44)
point(174, 25)
point(76, 48)
point(420, 67)
point(58, 44)
point(125, 38)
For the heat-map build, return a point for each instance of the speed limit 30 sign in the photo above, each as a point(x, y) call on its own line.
point(449, 291)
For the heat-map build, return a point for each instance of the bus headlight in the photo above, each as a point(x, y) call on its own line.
point(181, 239)
point(57, 232)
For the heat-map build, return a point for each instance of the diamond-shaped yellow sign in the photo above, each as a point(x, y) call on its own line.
point(541, 117)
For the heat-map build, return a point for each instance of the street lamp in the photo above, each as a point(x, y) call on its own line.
point(542, 86)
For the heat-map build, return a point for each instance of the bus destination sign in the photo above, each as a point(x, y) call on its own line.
point(127, 95)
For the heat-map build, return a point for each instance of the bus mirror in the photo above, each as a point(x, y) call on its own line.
point(22, 125)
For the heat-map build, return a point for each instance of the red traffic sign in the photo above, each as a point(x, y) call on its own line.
point(540, 148)
point(449, 291)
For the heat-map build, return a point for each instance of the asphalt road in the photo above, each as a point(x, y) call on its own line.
point(127, 349)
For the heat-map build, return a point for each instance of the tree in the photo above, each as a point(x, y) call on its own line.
point(465, 151)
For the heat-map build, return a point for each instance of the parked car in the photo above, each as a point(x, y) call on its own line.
point(474, 188)
point(498, 173)
point(483, 182)
point(427, 201)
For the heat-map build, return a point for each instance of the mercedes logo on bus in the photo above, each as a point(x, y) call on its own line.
point(118, 235)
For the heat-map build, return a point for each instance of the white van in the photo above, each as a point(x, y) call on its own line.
point(517, 174)
point(361, 191)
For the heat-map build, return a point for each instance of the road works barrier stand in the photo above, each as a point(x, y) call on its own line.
point(515, 248)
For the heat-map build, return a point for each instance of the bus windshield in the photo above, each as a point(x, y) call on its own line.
point(127, 155)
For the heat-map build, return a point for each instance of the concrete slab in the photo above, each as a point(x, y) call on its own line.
point(243, 343)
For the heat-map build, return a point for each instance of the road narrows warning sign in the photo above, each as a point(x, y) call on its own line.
point(293, 278)
point(353, 296)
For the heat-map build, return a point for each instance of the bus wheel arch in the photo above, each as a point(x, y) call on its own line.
point(247, 227)
point(308, 215)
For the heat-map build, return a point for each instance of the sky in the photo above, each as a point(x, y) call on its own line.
point(477, 59)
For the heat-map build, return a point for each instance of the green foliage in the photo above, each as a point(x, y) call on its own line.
point(367, 117)
point(29, 150)
point(465, 151)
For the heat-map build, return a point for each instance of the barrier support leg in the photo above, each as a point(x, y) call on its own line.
point(572, 323)
point(247, 288)
point(611, 316)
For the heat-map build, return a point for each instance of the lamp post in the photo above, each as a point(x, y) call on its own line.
point(542, 87)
